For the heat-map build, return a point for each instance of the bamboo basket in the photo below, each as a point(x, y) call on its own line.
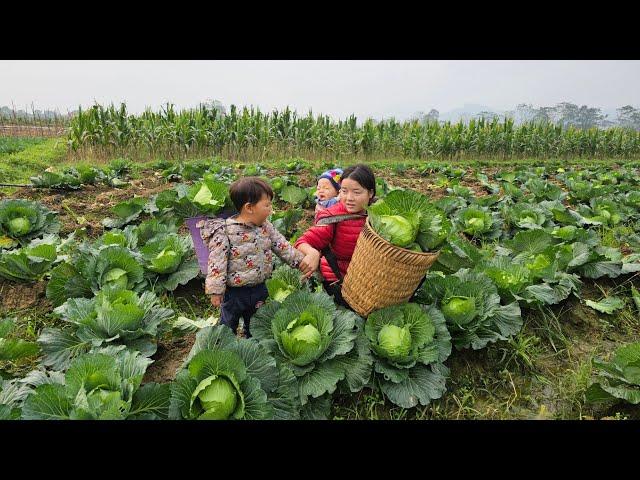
point(381, 274)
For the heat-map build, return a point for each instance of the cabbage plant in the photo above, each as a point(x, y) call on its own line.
point(127, 238)
point(471, 307)
point(544, 190)
point(525, 216)
point(169, 261)
point(457, 253)
point(318, 341)
point(29, 263)
point(405, 217)
point(112, 317)
point(603, 211)
point(100, 386)
point(225, 377)
point(93, 269)
point(13, 392)
point(478, 222)
point(12, 349)
point(410, 342)
point(125, 212)
point(293, 195)
point(619, 378)
point(206, 197)
point(149, 229)
point(510, 278)
point(24, 220)
point(59, 181)
point(285, 222)
point(284, 281)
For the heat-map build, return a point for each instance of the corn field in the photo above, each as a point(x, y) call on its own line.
point(248, 130)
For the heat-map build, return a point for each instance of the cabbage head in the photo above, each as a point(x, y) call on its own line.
point(398, 229)
point(302, 340)
point(169, 261)
point(470, 303)
point(24, 220)
point(209, 195)
point(165, 253)
point(394, 341)
point(406, 217)
point(510, 277)
point(93, 269)
point(218, 398)
point(318, 341)
point(459, 310)
point(476, 222)
point(409, 342)
point(116, 278)
point(227, 378)
point(525, 215)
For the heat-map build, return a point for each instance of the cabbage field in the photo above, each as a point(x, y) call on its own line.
point(531, 310)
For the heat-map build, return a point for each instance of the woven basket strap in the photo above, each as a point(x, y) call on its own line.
point(339, 218)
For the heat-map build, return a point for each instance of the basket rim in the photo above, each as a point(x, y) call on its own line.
point(368, 224)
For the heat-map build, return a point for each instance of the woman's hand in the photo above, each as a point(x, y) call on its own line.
point(216, 300)
point(310, 262)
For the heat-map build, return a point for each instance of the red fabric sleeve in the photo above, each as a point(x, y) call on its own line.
point(317, 236)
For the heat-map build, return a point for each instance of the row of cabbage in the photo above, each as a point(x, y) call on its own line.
point(106, 291)
point(472, 296)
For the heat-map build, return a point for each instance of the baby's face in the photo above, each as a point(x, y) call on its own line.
point(325, 190)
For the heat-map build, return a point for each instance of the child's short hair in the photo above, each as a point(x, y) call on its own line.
point(249, 190)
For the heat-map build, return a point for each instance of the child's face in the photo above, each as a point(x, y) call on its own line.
point(325, 189)
point(258, 213)
point(354, 196)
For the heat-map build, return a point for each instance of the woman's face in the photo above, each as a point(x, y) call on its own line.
point(354, 196)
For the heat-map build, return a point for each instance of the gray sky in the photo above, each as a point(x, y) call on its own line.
point(338, 88)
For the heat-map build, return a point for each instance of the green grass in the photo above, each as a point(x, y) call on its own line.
point(17, 167)
point(9, 145)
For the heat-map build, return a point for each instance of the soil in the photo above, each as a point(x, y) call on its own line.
point(168, 359)
point(20, 296)
point(93, 202)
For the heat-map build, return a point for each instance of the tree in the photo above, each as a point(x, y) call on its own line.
point(487, 115)
point(211, 104)
point(629, 117)
point(433, 115)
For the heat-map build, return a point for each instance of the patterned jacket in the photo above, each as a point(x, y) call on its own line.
point(242, 253)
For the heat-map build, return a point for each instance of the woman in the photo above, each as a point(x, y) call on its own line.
point(334, 236)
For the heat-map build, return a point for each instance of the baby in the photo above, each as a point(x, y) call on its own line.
point(328, 189)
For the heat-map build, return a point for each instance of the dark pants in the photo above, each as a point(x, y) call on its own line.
point(241, 302)
point(335, 291)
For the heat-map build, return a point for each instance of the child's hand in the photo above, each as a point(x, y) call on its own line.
point(216, 300)
point(309, 263)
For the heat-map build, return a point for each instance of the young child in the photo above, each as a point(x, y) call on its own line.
point(328, 189)
point(241, 253)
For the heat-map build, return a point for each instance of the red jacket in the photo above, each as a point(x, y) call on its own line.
point(341, 236)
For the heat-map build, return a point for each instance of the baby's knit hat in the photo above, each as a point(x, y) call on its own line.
point(334, 176)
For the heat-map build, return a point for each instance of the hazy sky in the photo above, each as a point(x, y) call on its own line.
point(338, 88)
